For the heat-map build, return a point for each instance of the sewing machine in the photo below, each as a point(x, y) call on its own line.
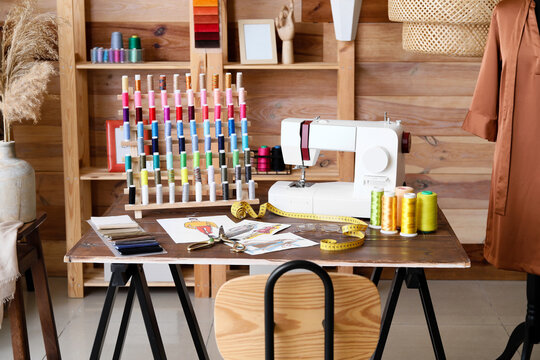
point(378, 146)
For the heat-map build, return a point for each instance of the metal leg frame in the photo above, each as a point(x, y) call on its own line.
point(528, 332)
point(376, 275)
point(121, 273)
point(414, 278)
point(191, 319)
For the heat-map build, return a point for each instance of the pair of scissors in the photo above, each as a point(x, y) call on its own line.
point(212, 240)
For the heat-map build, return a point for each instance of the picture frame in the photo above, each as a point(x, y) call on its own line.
point(257, 41)
point(115, 151)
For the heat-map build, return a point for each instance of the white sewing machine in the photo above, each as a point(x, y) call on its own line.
point(378, 148)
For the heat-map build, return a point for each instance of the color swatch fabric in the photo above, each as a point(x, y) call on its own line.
point(206, 23)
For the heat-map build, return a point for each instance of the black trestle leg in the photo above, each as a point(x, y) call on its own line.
point(191, 319)
point(104, 320)
point(124, 324)
point(376, 275)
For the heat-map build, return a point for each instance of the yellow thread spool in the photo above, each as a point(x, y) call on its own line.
point(144, 177)
point(426, 210)
point(389, 213)
point(408, 215)
point(400, 191)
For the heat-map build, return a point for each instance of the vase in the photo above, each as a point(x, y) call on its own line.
point(17, 186)
point(345, 14)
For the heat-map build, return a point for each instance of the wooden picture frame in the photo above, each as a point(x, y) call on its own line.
point(115, 151)
point(257, 41)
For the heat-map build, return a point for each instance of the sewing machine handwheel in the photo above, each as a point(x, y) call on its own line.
point(406, 142)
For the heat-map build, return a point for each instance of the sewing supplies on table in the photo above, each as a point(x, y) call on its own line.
point(378, 146)
point(400, 192)
point(147, 164)
point(376, 208)
point(354, 227)
point(408, 215)
point(389, 213)
point(235, 245)
point(426, 208)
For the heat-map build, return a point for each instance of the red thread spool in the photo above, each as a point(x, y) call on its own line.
point(263, 160)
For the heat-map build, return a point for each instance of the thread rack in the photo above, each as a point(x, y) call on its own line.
point(231, 173)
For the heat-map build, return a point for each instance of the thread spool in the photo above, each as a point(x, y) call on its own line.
point(376, 208)
point(221, 142)
point(198, 191)
point(239, 80)
point(400, 191)
point(408, 215)
point(277, 162)
point(171, 193)
point(129, 174)
point(159, 194)
point(168, 145)
point(127, 131)
point(238, 173)
point(211, 174)
point(212, 192)
point(224, 173)
point(167, 116)
point(185, 192)
point(140, 145)
point(208, 159)
point(251, 189)
point(263, 160)
point(248, 172)
point(169, 158)
point(426, 211)
point(389, 213)
point(242, 108)
point(222, 156)
point(238, 190)
point(100, 55)
point(170, 175)
point(184, 175)
point(156, 160)
point(93, 55)
point(179, 125)
point(183, 159)
point(142, 161)
point(157, 175)
point(132, 193)
point(181, 144)
point(215, 81)
point(194, 142)
point(197, 174)
point(225, 190)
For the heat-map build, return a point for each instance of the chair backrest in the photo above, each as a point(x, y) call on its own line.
point(298, 316)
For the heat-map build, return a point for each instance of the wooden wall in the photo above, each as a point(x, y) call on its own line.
point(430, 94)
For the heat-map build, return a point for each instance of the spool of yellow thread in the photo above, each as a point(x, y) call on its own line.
point(408, 215)
point(426, 211)
point(389, 213)
point(144, 177)
point(400, 191)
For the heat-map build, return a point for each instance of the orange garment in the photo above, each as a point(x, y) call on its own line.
point(506, 109)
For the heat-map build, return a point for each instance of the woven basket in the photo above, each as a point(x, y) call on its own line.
point(447, 39)
point(442, 11)
point(449, 27)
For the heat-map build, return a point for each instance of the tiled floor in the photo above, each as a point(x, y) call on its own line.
point(475, 319)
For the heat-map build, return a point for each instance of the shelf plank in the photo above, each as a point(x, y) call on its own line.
point(295, 66)
point(149, 65)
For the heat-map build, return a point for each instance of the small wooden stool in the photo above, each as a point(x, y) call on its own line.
point(30, 257)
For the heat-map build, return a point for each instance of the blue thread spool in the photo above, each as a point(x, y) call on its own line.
point(245, 141)
point(105, 55)
point(194, 143)
point(193, 127)
point(93, 55)
point(181, 144)
point(244, 125)
point(127, 131)
point(218, 128)
point(180, 128)
point(206, 128)
point(231, 127)
point(100, 55)
point(168, 144)
point(117, 41)
point(155, 129)
point(221, 142)
point(168, 128)
point(234, 142)
point(155, 146)
point(207, 143)
point(169, 160)
point(156, 160)
point(140, 129)
point(128, 162)
point(140, 145)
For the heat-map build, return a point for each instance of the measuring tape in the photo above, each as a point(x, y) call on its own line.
point(355, 227)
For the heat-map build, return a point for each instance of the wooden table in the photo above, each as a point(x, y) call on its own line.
point(410, 256)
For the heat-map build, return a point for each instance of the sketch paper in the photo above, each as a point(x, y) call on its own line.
point(259, 228)
point(269, 243)
point(194, 229)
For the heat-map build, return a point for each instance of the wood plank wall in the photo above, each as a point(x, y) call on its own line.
point(430, 94)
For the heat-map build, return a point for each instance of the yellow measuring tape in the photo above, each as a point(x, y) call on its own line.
point(241, 209)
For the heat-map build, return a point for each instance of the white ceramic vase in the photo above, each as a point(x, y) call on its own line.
point(345, 14)
point(17, 186)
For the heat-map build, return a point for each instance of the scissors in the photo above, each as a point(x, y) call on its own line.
point(212, 240)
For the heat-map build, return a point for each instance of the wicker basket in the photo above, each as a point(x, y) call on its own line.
point(450, 27)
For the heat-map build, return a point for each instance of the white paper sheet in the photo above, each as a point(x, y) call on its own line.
point(269, 243)
point(194, 229)
point(108, 222)
point(259, 228)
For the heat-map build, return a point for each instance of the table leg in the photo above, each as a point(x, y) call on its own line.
point(43, 300)
point(389, 310)
point(17, 318)
point(147, 309)
point(516, 339)
point(219, 277)
point(124, 324)
point(183, 294)
point(376, 275)
point(104, 319)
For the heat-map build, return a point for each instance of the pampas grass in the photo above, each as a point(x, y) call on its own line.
point(29, 43)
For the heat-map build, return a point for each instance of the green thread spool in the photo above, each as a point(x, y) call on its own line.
point(142, 162)
point(236, 158)
point(376, 208)
point(128, 162)
point(208, 159)
point(135, 49)
point(170, 176)
point(157, 176)
point(183, 159)
point(426, 211)
point(196, 159)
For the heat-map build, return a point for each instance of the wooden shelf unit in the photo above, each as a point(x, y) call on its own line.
point(78, 172)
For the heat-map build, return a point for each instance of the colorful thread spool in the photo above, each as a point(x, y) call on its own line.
point(400, 191)
point(389, 213)
point(426, 210)
point(263, 161)
point(376, 208)
point(408, 215)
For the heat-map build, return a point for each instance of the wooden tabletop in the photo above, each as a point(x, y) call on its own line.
point(441, 249)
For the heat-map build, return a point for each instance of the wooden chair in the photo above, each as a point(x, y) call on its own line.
point(30, 257)
point(299, 310)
